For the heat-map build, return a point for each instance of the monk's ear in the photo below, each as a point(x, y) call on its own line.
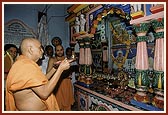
point(30, 50)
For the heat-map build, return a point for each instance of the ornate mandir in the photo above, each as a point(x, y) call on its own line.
point(126, 70)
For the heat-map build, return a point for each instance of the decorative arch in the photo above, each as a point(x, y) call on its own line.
point(105, 12)
point(116, 12)
point(15, 30)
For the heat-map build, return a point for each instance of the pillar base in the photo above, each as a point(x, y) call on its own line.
point(158, 101)
point(141, 95)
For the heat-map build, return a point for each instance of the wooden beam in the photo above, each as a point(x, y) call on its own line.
point(70, 18)
point(157, 8)
point(70, 9)
point(80, 7)
point(147, 18)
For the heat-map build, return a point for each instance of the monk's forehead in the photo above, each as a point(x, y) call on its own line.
point(59, 47)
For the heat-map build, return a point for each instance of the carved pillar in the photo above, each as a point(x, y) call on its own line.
point(141, 64)
point(81, 61)
point(85, 59)
point(88, 61)
point(158, 77)
point(105, 57)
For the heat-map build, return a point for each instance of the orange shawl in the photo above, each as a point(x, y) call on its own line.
point(26, 74)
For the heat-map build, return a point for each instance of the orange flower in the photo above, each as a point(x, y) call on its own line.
point(93, 30)
point(99, 17)
point(95, 22)
point(104, 13)
point(95, 25)
point(112, 11)
point(118, 12)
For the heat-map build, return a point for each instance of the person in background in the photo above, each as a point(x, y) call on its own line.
point(59, 56)
point(56, 41)
point(27, 88)
point(10, 55)
point(74, 66)
point(63, 91)
point(68, 52)
point(48, 53)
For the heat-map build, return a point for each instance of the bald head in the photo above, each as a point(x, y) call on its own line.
point(31, 48)
point(27, 42)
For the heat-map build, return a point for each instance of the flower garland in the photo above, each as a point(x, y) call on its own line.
point(104, 13)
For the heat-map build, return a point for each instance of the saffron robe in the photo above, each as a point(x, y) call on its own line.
point(25, 73)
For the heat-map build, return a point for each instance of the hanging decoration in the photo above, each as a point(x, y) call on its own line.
point(42, 28)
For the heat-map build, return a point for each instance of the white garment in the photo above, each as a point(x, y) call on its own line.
point(44, 64)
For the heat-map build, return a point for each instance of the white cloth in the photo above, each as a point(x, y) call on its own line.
point(44, 64)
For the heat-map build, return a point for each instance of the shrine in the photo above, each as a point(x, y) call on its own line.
point(121, 56)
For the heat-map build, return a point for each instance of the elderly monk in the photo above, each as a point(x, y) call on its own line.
point(27, 88)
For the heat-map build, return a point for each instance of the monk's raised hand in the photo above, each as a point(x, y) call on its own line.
point(65, 64)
